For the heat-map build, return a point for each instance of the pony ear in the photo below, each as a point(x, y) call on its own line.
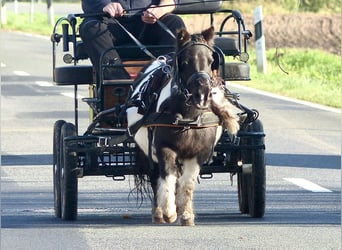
point(208, 35)
point(183, 36)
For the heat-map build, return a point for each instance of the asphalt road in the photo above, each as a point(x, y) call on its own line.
point(302, 144)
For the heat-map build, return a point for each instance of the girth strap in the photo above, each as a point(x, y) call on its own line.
point(157, 119)
point(207, 119)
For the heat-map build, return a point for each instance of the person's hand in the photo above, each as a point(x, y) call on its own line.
point(152, 14)
point(114, 9)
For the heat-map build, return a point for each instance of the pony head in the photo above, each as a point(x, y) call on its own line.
point(194, 59)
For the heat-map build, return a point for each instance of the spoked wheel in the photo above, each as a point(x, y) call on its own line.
point(57, 167)
point(68, 176)
point(252, 180)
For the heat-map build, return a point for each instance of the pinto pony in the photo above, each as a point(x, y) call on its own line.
point(192, 102)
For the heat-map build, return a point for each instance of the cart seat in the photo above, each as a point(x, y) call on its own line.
point(132, 53)
point(197, 7)
point(227, 45)
point(69, 75)
point(73, 75)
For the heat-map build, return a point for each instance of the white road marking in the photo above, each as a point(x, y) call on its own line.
point(25, 130)
point(308, 185)
point(71, 94)
point(44, 83)
point(3, 65)
point(20, 73)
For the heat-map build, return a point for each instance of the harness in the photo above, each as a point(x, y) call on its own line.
point(146, 98)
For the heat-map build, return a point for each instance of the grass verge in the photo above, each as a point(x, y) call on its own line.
point(309, 75)
point(38, 24)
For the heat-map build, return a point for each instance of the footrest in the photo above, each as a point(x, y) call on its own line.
point(110, 131)
point(73, 75)
point(90, 100)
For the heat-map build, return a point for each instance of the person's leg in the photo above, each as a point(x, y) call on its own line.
point(97, 38)
point(133, 25)
point(156, 35)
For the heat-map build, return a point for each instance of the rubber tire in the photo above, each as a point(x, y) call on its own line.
point(57, 167)
point(242, 193)
point(252, 186)
point(69, 184)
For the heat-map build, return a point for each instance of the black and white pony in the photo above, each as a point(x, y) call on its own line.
point(173, 123)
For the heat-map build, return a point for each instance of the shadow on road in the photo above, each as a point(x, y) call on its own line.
point(304, 160)
point(29, 160)
point(286, 160)
point(284, 207)
point(293, 218)
point(16, 78)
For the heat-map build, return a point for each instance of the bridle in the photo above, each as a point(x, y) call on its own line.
point(183, 86)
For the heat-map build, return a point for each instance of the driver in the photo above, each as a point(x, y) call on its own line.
point(139, 17)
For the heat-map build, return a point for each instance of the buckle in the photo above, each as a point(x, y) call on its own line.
point(103, 141)
point(129, 132)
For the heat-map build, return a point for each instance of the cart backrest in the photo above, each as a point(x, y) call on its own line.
point(183, 7)
point(197, 7)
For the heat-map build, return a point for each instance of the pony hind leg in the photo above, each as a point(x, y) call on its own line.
point(185, 189)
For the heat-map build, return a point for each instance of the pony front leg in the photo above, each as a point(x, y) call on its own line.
point(166, 200)
point(165, 209)
point(157, 212)
point(185, 189)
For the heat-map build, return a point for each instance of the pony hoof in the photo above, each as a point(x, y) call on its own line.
point(157, 220)
point(170, 219)
point(157, 216)
point(187, 222)
point(187, 219)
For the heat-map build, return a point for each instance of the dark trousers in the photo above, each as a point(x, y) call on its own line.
point(101, 34)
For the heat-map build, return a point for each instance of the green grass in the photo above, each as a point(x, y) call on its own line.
point(22, 22)
point(311, 75)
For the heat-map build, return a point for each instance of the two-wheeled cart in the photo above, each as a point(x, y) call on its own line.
point(106, 147)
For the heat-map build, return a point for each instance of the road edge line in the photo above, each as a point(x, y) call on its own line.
point(284, 98)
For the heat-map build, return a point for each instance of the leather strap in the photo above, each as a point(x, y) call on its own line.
point(140, 45)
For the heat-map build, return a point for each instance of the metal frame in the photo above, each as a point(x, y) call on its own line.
point(109, 151)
